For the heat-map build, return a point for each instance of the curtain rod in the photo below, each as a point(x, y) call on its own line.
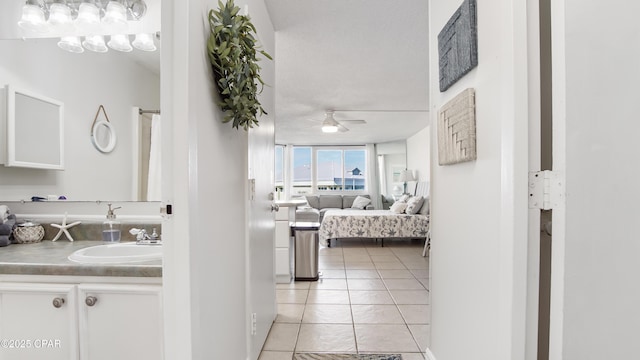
point(140, 111)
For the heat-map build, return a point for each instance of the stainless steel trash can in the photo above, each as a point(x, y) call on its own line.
point(306, 246)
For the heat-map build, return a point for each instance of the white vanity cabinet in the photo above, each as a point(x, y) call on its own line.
point(93, 321)
point(38, 321)
point(120, 321)
point(282, 240)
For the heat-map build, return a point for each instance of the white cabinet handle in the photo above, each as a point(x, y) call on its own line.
point(91, 300)
point(58, 302)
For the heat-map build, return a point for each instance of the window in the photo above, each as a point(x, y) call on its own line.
point(301, 175)
point(320, 169)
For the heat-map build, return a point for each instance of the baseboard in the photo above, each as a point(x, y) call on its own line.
point(429, 355)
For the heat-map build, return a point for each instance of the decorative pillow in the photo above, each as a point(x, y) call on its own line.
point(398, 207)
point(404, 198)
point(414, 204)
point(360, 202)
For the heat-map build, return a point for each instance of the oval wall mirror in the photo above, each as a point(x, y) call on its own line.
point(103, 135)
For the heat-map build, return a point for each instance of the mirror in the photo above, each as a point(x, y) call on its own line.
point(35, 130)
point(103, 135)
point(119, 81)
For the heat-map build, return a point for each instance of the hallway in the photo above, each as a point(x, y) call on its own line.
point(370, 299)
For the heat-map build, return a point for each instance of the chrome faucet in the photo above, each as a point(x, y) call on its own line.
point(145, 239)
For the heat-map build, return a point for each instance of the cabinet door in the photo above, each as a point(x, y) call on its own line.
point(282, 234)
point(120, 321)
point(38, 321)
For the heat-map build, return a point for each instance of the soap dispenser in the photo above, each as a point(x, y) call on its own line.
point(111, 227)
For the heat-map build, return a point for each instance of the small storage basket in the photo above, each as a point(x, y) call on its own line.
point(28, 233)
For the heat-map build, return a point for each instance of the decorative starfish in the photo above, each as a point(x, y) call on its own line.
point(64, 228)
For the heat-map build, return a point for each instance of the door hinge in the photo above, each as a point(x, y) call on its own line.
point(545, 190)
point(254, 325)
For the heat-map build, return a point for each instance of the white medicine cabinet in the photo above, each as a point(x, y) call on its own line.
point(32, 129)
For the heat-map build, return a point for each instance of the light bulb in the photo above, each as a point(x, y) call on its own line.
point(144, 41)
point(329, 128)
point(71, 44)
point(95, 43)
point(115, 16)
point(88, 18)
point(60, 17)
point(120, 42)
point(33, 19)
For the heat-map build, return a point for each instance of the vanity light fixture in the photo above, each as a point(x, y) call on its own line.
point(71, 19)
point(120, 42)
point(144, 42)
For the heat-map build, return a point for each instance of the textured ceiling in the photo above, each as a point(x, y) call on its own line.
point(365, 59)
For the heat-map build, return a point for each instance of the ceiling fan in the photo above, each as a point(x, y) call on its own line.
point(331, 125)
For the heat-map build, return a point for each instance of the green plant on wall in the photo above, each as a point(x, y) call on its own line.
point(233, 50)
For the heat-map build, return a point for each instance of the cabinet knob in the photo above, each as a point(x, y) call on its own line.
point(91, 300)
point(58, 302)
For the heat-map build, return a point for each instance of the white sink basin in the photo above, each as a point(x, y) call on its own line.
point(117, 253)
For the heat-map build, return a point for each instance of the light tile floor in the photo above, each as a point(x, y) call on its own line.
point(369, 299)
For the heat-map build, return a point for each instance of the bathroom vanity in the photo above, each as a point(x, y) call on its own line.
point(53, 308)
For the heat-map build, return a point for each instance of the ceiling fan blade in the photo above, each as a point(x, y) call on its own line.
point(354, 122)
point(342, 128)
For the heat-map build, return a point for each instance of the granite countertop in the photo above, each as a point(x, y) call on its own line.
point(50, 258)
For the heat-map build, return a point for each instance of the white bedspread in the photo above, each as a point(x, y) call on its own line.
point(338, 224)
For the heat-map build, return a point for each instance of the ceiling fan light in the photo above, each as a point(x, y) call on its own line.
point(33, 18)
point(329, 128)
point(329, 125)
point(71, 44)
point(144, 42)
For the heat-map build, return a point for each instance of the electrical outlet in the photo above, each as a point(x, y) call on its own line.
point(254, 325)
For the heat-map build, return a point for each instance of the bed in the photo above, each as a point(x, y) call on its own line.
point(376, 224)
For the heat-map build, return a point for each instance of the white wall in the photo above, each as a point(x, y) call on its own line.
point(478, 208)
point(596, 108)
point(204, 264)
point(82, 82)
point(419, 154)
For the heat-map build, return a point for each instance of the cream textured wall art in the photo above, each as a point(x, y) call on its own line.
point(457, 129)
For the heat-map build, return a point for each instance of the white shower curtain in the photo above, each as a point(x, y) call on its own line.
point(154, 188)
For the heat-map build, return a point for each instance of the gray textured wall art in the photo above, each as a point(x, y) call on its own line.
point(458, 45)
point(457, 129)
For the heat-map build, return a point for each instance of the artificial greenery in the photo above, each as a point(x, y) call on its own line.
point(233, 50)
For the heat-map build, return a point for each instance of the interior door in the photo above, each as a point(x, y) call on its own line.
point(260, 235)
point(595, 243)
